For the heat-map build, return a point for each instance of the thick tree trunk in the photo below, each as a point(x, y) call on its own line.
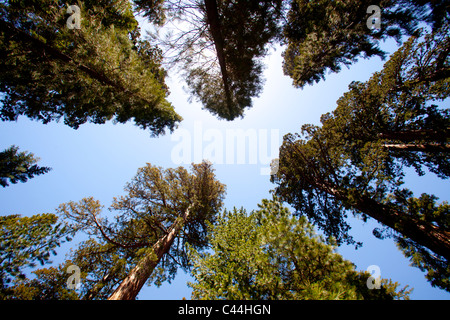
point(132, 284)
point(422, 232)
point(427, 234)
point(213, 20)
point(423, 147)
point(411, 135)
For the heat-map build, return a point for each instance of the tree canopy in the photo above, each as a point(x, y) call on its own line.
point(101, 71)
point(162, 212)
point(18, 166)
point(269, 254)
point(220, 48)
point(25, 241)
point(48, 284)
point(95, 66)
point(322, 36)
point(355, 162)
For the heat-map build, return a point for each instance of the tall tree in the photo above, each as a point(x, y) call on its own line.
point(25, 241)
point(220, 47)
point(322, 36)
point(355, 162)
point(163, 211)
point(269, 254)
point(18, 166)
point(99, 72)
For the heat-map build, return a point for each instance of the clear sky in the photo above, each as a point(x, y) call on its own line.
point(97, 160)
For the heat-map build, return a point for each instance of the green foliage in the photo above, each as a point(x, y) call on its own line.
point(18, 166)
point(246, 27)
point(25, 241)
point(103, 266)
point(220, 49)
point(355, 162)
point(269, 254)
point(49, 284)
point(324, 35)
point(395, 106)
point(154, 199)
point(152, 9)
point(93, 74)
point(436, 267)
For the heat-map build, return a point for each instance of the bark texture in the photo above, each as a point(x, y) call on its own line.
point(425, 233)
point(132, 284)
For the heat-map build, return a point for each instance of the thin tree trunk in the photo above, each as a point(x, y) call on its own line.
point(132, 284)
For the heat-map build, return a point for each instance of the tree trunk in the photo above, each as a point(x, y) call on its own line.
point(423, 147)
point(421, 134)
point(132, 284)
point(424, 233)
point(213, 20)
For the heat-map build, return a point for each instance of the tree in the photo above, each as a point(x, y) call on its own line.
point(322, 36)
point(49, 284)
point(18, 166)
point(269, 254)
point(221, 48)
point(24, 241)
point(99, 72)
point(240, 31)
point(355, 162)
point(163, 211)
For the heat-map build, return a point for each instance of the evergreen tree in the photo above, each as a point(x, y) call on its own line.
point(221, 48)
point(48, 284)
point(355, 162)
point(18, 166)
point(25, 241)
point(162, 212)
point(324, 35)
point(269, 254)
point(240, 31)
point(99, 72)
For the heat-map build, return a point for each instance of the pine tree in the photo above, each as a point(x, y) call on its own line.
point(163, 211)
point(18, 166)
point(99, 72)
point(220, 48)
point(25, 241)
point(355, 162)
point(269, 254)
point(48, 284)
point(322, 36)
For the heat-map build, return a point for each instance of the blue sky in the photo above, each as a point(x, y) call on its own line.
point(98, 160)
